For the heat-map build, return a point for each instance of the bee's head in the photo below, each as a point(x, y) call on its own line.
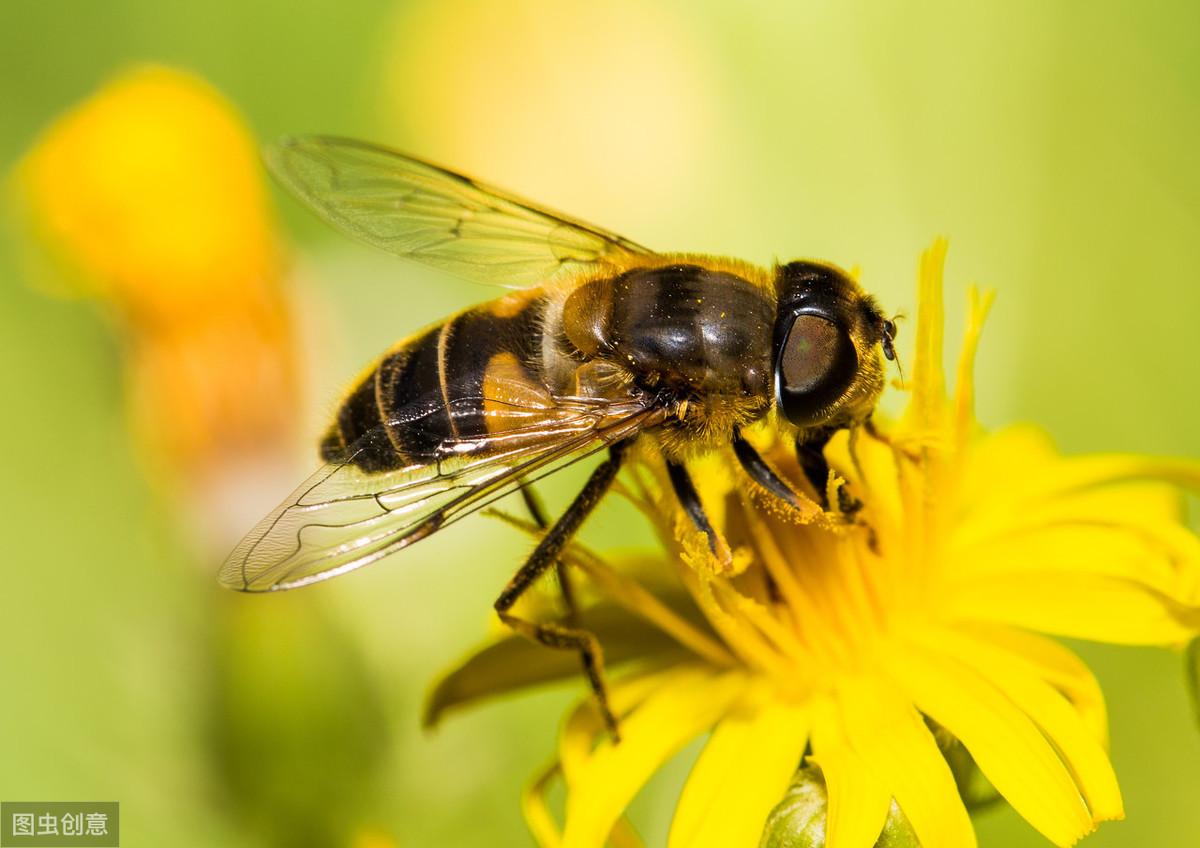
point(828, 343)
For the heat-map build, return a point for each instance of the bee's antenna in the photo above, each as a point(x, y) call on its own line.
point(889, 342)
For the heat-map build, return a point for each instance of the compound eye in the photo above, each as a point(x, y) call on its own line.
point(816, 363)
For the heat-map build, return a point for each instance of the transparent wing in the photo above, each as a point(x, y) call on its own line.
point(343, 517)
point(426, 213)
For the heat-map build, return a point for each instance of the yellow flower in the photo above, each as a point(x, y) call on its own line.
point(855, 646)
point(153, 188)
point(149, 196)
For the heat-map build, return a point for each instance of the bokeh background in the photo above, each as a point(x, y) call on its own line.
point(1055, 143)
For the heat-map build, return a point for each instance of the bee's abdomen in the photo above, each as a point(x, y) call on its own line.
point(429, 390)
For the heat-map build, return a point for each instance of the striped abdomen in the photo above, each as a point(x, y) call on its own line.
point(431, 387)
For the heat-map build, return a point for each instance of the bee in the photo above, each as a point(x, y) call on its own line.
point(605, 342)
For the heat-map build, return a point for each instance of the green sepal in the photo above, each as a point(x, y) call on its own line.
point(798, 821)
point(976, 791)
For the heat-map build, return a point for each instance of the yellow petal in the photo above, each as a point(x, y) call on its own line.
point(924, 787)
point(858, 802)
point(1118, 503)
point(741, 774)
point(1131, 531)
point(536, 811)
point(1053, 662)
point(1007, 746)
point(1001, 460)
point(964, 385)
point(1082, 751)
point(1080, 606)
point(585, 723)
point(1072, 475)
point(1086, 551)
point(604, 784)
point(671, 611)
point(1127, 502)
point(889, 734)
point(1003, 457)
point(927, 405)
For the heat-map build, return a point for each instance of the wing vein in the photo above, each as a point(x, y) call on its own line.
point(427, 213)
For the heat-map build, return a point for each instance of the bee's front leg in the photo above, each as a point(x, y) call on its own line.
point(810, 453)
point(689, 499)
point(765, 476)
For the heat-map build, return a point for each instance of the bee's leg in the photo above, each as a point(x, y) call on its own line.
point(546, 554)
point(762, 474)
point(689, 499)
point(533, 503)
point(537, 512)
point(572, 639)
point(810, 453)
point(564, 528)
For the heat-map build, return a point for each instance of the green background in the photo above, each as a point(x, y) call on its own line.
point(1055, 143)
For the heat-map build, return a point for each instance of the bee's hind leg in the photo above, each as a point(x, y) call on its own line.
point(537, 511)
point(547, 554)
point(572, 639)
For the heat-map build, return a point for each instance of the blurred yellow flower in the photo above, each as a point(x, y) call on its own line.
point(149, 196)
point(854, 647)
point(153, 187)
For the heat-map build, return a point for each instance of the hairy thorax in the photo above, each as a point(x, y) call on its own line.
point(697, 340)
